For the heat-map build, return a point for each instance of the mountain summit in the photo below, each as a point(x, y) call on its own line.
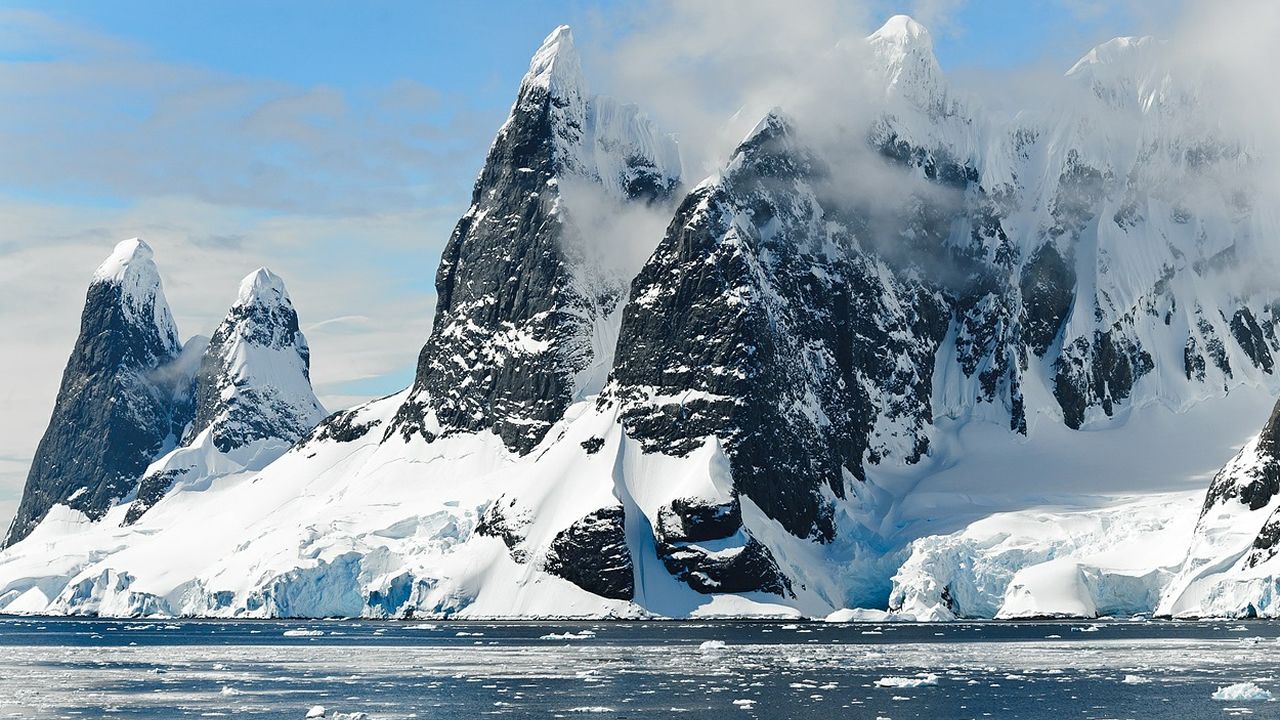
point(518, 303)
point(124, 399)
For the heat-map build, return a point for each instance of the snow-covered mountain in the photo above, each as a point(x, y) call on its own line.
point(918, 356)
point(526, 311)
point(253, 396)
point(126, 395)
point(226, 405)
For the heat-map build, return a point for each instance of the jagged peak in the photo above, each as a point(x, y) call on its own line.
point(131, 267)
point(774, 121)
point(1113, 51)
point(902, 30)
point(556, 65)
point(772, 136)
point(130, 257)
point(903, 50)
point(262, 287)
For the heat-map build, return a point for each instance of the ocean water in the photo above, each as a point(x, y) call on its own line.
point(84, 668)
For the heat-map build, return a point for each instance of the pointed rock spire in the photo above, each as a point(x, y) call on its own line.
point(131, 271)
point(122, 396)
point(556, 66)
point(253, 395)
point(903, 49)
point(254, 381)
point(515, 306)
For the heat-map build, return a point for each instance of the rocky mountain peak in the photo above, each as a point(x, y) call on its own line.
point(254, 381)
point(556, 67)
point(521, 311)
point(123, 399)
point(903, 50)
point(131, 269)
point(253, 394)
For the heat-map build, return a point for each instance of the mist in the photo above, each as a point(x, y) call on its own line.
point(708, 72)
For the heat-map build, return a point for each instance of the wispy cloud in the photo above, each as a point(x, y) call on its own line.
point(349, 195)
point(99, 116)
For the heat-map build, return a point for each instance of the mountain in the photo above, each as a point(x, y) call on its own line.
point(1230, 567)
point(253, 395)
point(920, 356)
point(125, 395)
point(526, 314)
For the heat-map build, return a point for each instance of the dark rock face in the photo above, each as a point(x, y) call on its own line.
point(750, 569)
point(688, 525)
point(501, 520)
point(343, 426)
point(784, 342)
point(512, 311)
point(1261, 479)
point(1253, 479)
point(1252, 340)
point(121, 404)
point(592, 554)
point(1048, 290)
point(151, 490)
point(1193, 361)
point(688, 520)
point(1266, 544)
point(1101, 373)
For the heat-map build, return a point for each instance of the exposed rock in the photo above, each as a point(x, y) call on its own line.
point(758, 321)
point(1048, 289)
point(687, 520)
point(255, 377)
point(592, 553)
point(1253, 478)
point(516, 299)
point(748, 568)
point(124, 399)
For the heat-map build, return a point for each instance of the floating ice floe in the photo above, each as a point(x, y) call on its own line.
point(1243, 692)
point(908, 682)
point(580, 635)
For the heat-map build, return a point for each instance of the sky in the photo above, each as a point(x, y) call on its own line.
point(334, 142)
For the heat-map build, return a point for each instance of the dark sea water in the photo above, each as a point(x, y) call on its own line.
point(59, 668)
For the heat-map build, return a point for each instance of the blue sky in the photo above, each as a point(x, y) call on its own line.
point(471, 54)
point(333, 141)
point(480, 48)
